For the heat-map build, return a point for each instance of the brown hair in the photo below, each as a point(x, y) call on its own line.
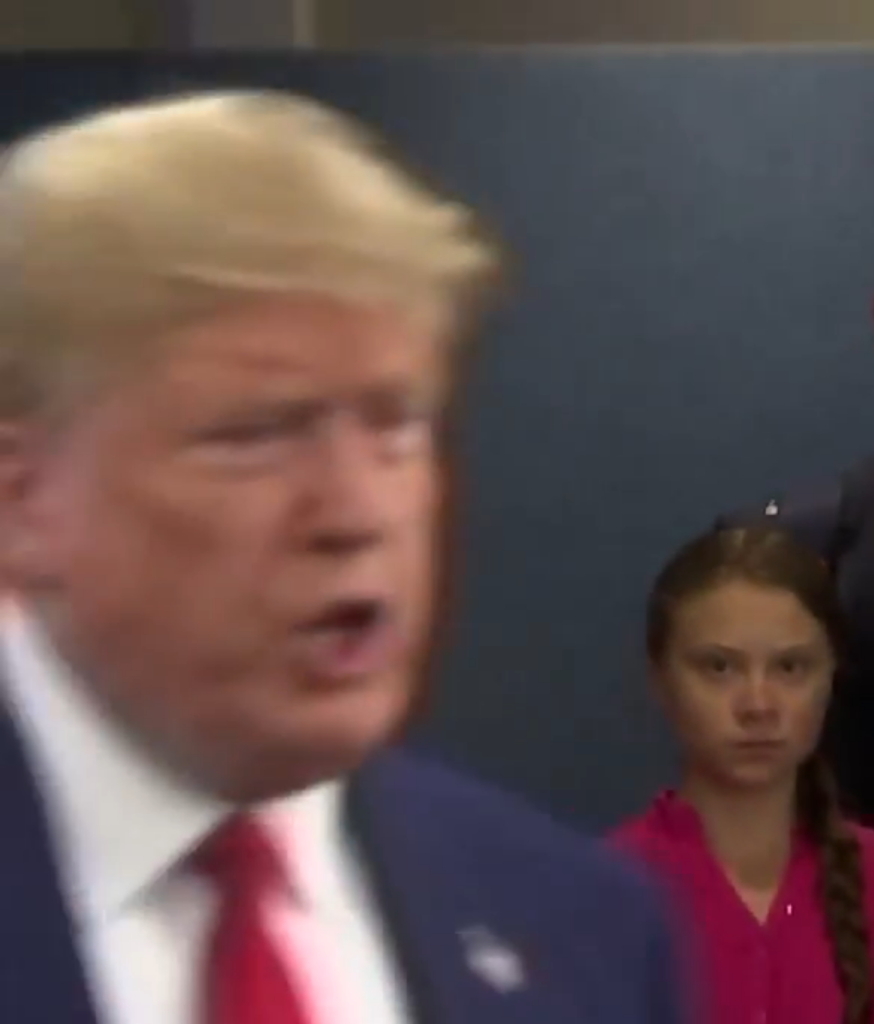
point(772, 558)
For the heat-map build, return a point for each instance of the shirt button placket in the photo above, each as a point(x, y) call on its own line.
point(762, 982)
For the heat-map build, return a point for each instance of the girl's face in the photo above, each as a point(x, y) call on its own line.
point(746, 678)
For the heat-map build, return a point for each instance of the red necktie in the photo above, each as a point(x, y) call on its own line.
point(246, 980)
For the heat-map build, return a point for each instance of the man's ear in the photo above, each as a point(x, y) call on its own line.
point(19, 517)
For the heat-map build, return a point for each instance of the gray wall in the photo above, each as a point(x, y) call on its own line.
point(259, 24)
point(91, 24)
point(398, 22)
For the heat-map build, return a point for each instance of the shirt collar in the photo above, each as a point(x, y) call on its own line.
point(120, 821)
point(676, 817)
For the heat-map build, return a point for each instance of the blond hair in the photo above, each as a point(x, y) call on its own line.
point(138, 218)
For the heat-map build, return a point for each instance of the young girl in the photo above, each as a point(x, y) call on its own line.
point(744, 635)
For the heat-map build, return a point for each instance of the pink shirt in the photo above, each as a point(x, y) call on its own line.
point(778, 972)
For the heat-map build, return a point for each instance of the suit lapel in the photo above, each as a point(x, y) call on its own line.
point(41, 978)
point(438, 911)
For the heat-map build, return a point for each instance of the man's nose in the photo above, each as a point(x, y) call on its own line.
point(351, 492)
point(340, 540)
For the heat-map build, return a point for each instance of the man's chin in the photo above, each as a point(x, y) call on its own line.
point(276, 765)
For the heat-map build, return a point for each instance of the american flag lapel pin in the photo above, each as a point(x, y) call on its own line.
point(492, 960)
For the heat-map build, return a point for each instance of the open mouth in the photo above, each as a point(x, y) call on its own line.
point(350, 618)
point(349, 638)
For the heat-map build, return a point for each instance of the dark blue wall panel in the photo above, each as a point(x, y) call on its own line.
point(692, 328)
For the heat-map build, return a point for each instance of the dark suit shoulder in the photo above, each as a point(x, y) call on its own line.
point(497, 827)
point(826, 516)
point(812, 514)
point(598, 926)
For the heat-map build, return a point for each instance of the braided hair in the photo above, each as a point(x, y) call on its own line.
point(841, 886)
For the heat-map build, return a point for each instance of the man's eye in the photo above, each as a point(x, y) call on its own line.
point(400, 414)
point(243, 433)
point(292, 420)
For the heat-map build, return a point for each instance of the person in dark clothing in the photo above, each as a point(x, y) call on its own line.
point(836, 519)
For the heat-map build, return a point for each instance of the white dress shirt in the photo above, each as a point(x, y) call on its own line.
point(121, 830)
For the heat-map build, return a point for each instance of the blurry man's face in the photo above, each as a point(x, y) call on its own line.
point(236, 546)
point(746, 680)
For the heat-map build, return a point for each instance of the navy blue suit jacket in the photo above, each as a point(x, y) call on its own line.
point(449, 859)
point(836, 519)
